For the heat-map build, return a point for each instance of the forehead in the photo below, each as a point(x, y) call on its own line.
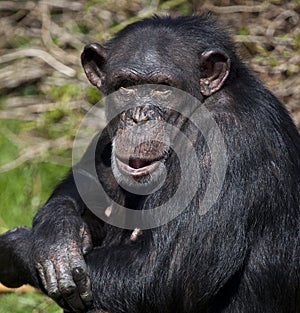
point(150, 47)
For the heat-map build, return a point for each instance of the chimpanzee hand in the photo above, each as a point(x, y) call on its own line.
point(60, 243)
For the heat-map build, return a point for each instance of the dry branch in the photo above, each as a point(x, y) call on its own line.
point(45, 56)
point(263, 39)
point(21, 72)
point(233, 8)
point(16, 5)
point(33, 152)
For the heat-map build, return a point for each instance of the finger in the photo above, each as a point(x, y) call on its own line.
point(48, 282)
point(83, 283)
point(40, 270)
point(51, 286)
point(50, 278)
point(81, 278)
point(86, 241)
point(67, 286)
point(71, 295)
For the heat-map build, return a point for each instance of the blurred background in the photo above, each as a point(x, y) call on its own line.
point(44, 93)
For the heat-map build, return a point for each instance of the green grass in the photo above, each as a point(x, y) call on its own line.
point(26, 185)
point(33, 302)
point(23, 190)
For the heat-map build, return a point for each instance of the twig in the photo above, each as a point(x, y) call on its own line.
point(16, 5)
point(45, 56)
point(16, 102)
point(279, 19)
point(46, 35)
point(21, 111)
point(234, 8)
point(263, 39)
point(20, 72)
point(171, 3)
point(32, 152)
point(69, 5)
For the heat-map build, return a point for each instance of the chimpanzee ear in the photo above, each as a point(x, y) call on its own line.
point(215, 67)
point(93, 59)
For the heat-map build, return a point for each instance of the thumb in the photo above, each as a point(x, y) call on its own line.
point(86, 239)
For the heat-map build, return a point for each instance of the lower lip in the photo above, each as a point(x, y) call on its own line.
point(137, 172)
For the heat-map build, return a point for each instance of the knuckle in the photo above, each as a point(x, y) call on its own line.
point(53, 292)
point(41, 274)
point(79, 273)
point(87, 296)
point(67, 290)
point(66, 286)
point(39, 266)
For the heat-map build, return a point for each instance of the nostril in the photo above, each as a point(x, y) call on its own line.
point(140, 118)
point(140, 115)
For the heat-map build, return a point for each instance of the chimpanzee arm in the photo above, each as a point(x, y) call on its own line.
point(61, 235)
point(16, 263)
point(60, 239)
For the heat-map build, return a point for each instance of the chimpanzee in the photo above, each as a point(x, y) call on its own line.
point(241, 255)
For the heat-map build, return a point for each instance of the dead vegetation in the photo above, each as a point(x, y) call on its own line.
point(43, 88)
point(41, 43)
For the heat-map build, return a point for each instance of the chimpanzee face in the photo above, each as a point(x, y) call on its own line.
point(140, 148)
point(141, 140)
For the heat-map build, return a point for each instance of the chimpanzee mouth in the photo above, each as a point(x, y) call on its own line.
point(136, 167)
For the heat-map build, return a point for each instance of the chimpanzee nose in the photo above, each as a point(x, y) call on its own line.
point(140, 115)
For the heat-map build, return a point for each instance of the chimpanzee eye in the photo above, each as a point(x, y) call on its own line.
point(123, 84)
point(163, 86)
point(126, 91)
point(161, 91)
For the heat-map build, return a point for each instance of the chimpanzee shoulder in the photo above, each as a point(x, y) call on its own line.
point(233, 247)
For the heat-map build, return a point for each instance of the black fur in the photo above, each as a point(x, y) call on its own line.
point(243, 255)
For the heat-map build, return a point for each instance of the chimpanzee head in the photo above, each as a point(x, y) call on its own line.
point(166, 53)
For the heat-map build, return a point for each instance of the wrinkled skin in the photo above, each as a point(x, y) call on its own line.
point(60, 264)
point(242, 256)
